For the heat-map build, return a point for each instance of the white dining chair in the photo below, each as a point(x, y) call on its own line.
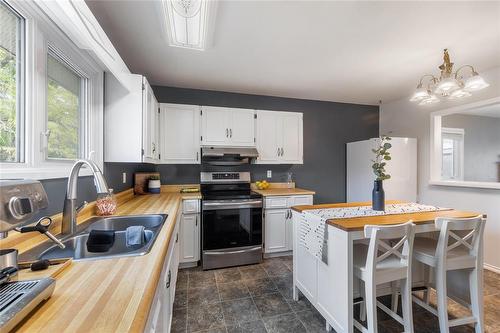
point(454, 251)
point(381, 262)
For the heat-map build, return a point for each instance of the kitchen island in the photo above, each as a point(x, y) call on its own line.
point(330, 287)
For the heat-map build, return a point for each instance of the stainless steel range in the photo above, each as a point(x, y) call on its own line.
point(231, 217)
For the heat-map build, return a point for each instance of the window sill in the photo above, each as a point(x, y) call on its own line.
point(40, 173)
point(461, 183)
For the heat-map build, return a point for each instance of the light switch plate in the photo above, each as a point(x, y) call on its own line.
point(124, 177)
point(269, 174)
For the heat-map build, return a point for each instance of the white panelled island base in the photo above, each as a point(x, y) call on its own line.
point(330, 287)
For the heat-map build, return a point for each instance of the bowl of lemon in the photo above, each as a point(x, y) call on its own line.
point(262, 184)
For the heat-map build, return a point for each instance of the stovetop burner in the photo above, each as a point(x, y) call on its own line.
point(227, 186)
point(230, 195)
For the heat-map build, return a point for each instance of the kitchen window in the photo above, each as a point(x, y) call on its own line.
point(11, 84)
point(65, 89)
point(51, 112)
point(453, 153)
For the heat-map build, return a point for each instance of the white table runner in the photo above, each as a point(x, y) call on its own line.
point(314, 233)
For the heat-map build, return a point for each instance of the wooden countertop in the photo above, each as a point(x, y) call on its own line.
point(358, 223)
point(110, 295)
point(270, 192)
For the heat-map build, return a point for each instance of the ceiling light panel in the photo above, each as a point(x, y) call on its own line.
point(189, 23)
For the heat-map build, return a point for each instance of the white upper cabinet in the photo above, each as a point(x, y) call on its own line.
point(130, 121)
point(227, 127)
point(242, 129)
point(279, 137)
point(150, 125)
point(179, 134)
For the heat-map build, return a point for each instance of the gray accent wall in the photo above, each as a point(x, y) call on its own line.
point(56, 192)
point(328, 126)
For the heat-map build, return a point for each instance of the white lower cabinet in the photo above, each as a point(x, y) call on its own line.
point(184, 247)
point(278, 226)
point(275, 230)
point(190, 231)
point(190, 238)
point(160, 314)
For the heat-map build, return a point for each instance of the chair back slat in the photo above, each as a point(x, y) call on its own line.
point(401, 235)
point(450, 240)
point(391, 250)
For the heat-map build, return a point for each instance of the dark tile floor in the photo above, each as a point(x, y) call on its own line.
point(258, 298)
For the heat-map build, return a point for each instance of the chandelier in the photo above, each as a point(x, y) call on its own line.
point(449, 85)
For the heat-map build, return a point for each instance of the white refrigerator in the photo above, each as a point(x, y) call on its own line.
point(402, 168)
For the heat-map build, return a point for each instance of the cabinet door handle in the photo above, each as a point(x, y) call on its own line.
point(227, 133)
point(167, 285)
point(197, 156)
point(230, 132)
point(278, 153)
point(282, 151)
point(177, 238)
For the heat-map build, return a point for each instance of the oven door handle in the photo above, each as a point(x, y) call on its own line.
point(257, 248)
point(232, 205)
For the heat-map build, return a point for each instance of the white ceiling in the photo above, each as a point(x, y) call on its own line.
point(358, 52)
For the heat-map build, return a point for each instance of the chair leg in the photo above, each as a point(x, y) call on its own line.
point(426, 283)
point(295, 294)
point(394, 296)
point(476, 296)
point(371, 306)
point(362, 305)
point(406, 305)
point(442, 300)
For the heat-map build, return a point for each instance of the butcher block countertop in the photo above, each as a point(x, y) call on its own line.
point(109, 295)
point(358, 223)
point(272, 192)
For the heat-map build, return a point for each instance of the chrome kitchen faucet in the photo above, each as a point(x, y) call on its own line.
point(70, 210)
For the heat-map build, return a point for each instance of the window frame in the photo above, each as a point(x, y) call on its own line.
point(435, 146)
point(20, 86)
point(82, 107)
point(42, 35)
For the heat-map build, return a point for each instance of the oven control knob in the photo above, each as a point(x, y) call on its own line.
point(20, 207)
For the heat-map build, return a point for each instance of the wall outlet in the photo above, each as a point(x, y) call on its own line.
point(269, 174)
point(124, 177)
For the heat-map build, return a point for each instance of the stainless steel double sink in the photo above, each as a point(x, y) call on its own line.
point(76, 245)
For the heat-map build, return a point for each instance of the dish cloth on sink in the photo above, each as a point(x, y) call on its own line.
point(135, 235)
point(100, 240)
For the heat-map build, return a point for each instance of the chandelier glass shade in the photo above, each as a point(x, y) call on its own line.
point(449, 85)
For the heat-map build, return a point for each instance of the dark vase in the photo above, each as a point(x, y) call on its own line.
point(378, 196)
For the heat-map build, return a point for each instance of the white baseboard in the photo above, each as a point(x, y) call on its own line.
point(183, 265)
point(492, 268)
point(278, 254)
